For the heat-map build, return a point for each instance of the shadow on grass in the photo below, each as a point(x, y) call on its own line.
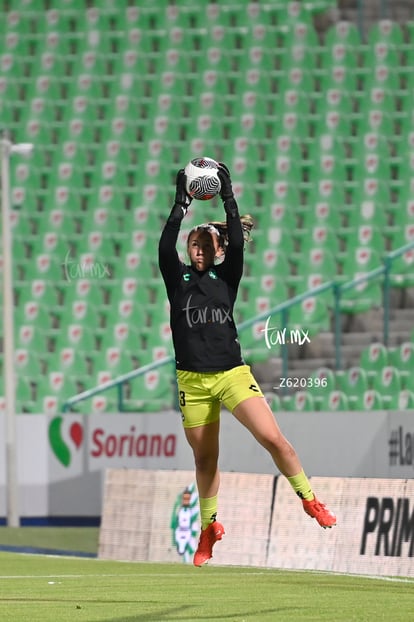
point(170, 614)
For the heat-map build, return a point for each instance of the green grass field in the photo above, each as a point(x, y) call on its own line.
point(38, 588)
point(80, 539)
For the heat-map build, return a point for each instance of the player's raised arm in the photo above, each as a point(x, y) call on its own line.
point(168, 259)
point(233, 262)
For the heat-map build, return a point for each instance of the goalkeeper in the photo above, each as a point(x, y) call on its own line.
point(209, 364)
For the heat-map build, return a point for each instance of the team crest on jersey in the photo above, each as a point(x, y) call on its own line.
point(186, 276)
point(212, 274)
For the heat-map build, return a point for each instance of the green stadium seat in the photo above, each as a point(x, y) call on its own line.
point(27, 363)
point(408, 382)
point(367, 294)
point(53, 389)
point(367, 212)
point(43, 266)
point(405, 401)
point(324, 190)
point(81, 284)
point(53, 21)
point(368, 400)
point(386, 31)
point(277, 213)
point(256, 56)
point(284, 144)
point(313, 268)
point(253, 344)
point(268, 259)
point(402, 170)
point(321, 383)
point(29, 336)
point(318, 236)
point(130, 310)
point(281, 192)
point(333, 109)
point(301, 401)
point(297, 26)
point(77, 315)
point(363, 235)
point(343, 32)
point(25, 175)
point(374, 358)
point(323, 213)
point(387, 382)
point(369, 154)
point(401, 274)
point(10, 90)
point(159, 331)
point(21, 223)
point(157, 343)
point(402, 358)
point(25, 401)
point(310, 315)
point(376, 112)
point(353, 382)
point(154, 391)
point(283, 167)
point(101, 246)
point(34, 312)
point(277, 238)
point(334, 400)
point(78, 336)
point(36, 289)
point(113, 360)
point(260, 294)
point(404, 212)
point(57, 220)
point(69, 360)
point(362, 297)
point(121, 335)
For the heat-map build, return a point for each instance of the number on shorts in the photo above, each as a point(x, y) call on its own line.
point(182, 398)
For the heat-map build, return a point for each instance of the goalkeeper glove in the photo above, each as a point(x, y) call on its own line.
point(182, 199)
point(226, 192)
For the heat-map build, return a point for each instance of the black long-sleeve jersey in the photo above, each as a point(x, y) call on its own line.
point(203, 329)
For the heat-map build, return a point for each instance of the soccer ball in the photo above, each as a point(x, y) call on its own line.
point(203, 182)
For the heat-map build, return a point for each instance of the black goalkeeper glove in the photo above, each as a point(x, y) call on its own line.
point(182, 199)
point(226, 192)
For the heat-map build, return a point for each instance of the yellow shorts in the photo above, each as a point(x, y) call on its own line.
point(200, 394)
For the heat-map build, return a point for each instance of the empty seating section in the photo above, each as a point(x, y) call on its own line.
point(318, 131)
point(382, 379)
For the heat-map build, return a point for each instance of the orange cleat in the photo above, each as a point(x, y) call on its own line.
point(208, 538)
point(318, 510)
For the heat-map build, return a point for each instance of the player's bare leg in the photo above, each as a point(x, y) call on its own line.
point(255, 414)
point(204, 441)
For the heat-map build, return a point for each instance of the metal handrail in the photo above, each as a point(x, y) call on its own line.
point(282, 308)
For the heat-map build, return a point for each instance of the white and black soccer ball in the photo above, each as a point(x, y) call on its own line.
point(203, 182)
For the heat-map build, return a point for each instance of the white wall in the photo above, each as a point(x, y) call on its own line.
point(68, 481)
point(265, 525)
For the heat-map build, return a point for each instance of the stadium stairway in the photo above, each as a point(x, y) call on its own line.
point(304, 360)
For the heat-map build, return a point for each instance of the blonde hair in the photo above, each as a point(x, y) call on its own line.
point(219, 228)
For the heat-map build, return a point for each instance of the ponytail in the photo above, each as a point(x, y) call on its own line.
point(221, 226)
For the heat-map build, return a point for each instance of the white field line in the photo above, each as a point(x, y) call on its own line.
point(216, 574)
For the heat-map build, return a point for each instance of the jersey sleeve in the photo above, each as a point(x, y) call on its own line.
point(168, 259)
point(231, 269)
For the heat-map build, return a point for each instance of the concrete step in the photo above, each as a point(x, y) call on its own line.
point(304, 360)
